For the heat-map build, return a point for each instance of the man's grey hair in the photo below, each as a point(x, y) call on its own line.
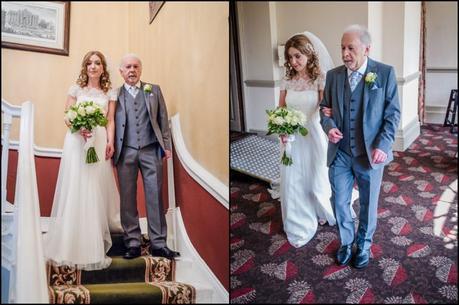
point(362, 31)
point(130, 55)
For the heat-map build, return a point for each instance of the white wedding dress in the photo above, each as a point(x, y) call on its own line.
point(86, 204)
point(305, 189)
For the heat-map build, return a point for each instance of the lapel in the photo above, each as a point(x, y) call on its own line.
point(122, 98)
point(340, 79)
point(371, 67)
point(146, 96)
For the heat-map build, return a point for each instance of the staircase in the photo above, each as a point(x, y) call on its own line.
point(143, 280)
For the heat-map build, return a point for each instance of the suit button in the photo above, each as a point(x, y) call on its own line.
point(138, 131)
point(122, 125)
point(352, 146)
point(352, 109)
point(136, 117)
point(121, 139)
point(135, 109)
point(352, 120)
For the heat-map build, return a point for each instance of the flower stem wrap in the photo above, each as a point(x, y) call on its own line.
point(91, 155)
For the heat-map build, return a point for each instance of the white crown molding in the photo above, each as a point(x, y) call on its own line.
point(208, 181)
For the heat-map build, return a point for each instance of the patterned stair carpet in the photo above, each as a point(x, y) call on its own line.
point(143, 280)
point(414, 254)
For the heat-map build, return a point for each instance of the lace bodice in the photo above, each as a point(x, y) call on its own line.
point(301, 84)
point(91, 94)
point(304, 96)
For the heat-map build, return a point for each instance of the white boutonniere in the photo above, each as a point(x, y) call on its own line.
point(147, 88)
point(370, 79)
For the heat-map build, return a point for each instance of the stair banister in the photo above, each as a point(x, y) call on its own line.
point(28, 283)
point(9, 112)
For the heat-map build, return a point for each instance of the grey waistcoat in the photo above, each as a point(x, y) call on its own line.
point(352, 142)
point(139, 132)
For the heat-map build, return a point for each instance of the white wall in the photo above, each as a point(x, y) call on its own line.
point(441, 57)
point(375, 21)
point(257, 31)
point(327, 20)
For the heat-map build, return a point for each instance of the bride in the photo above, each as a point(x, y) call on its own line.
point(305, 187)
point(86, 203)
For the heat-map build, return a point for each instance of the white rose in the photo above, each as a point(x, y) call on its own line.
point(294, 121)
point(81, 111)
point(90, 109)
point(279, 121)
point(71, 115)
point(288, 118)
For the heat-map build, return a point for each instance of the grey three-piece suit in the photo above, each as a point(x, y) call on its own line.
point(368, 118)
point(141, 131)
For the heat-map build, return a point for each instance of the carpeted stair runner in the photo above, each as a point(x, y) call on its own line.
point(143, 280)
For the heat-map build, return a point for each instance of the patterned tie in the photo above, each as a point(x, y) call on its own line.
point(133, 91)
point(354, 80)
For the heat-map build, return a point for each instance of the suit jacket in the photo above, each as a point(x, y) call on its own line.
point(157, 112)
point(381, 109)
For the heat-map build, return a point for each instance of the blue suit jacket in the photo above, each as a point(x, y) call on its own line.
point(381, 109)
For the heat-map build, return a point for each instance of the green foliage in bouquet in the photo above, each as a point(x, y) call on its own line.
point(286, 121)
point(87, 115)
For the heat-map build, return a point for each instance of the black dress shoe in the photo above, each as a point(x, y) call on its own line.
point(132, 252)
point(344, 255)
point(164, 252)
point(362, 258)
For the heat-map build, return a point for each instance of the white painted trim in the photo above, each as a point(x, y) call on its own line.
point(407, 135)
point(435, 114)
point(199, 270)
point(38, 151)
point(208, 181)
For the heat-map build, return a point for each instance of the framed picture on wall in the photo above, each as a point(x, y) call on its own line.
point(155, 6)
point(36, 26)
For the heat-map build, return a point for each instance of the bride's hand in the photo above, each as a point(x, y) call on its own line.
point(283, 138)
point(326, 111)
point(86, 134)
point(109, 151)
point(67, 122)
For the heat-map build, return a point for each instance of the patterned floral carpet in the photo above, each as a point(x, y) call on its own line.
point(414, 254)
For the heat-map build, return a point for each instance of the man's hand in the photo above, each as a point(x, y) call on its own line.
point(168, 154)
point(86, 134)
point(334, 135)
point(109, 151)
point(378, 156)
point(326, 111)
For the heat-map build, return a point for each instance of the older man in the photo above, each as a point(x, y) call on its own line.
point(142, 131)
point(361, 129)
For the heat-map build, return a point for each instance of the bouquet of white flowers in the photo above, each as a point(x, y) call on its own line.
point(286, 121)
point(87, 115)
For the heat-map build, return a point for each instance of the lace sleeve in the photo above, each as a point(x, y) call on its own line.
point(321, 81)
point(112, 94)
point(283, 84)
point(73, 90)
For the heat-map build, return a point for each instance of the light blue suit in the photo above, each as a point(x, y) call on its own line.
point(378, 116)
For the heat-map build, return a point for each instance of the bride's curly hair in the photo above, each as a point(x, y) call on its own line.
point(104, 81)
point(302, 44)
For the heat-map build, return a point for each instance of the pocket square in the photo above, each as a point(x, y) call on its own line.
point(374, 87)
